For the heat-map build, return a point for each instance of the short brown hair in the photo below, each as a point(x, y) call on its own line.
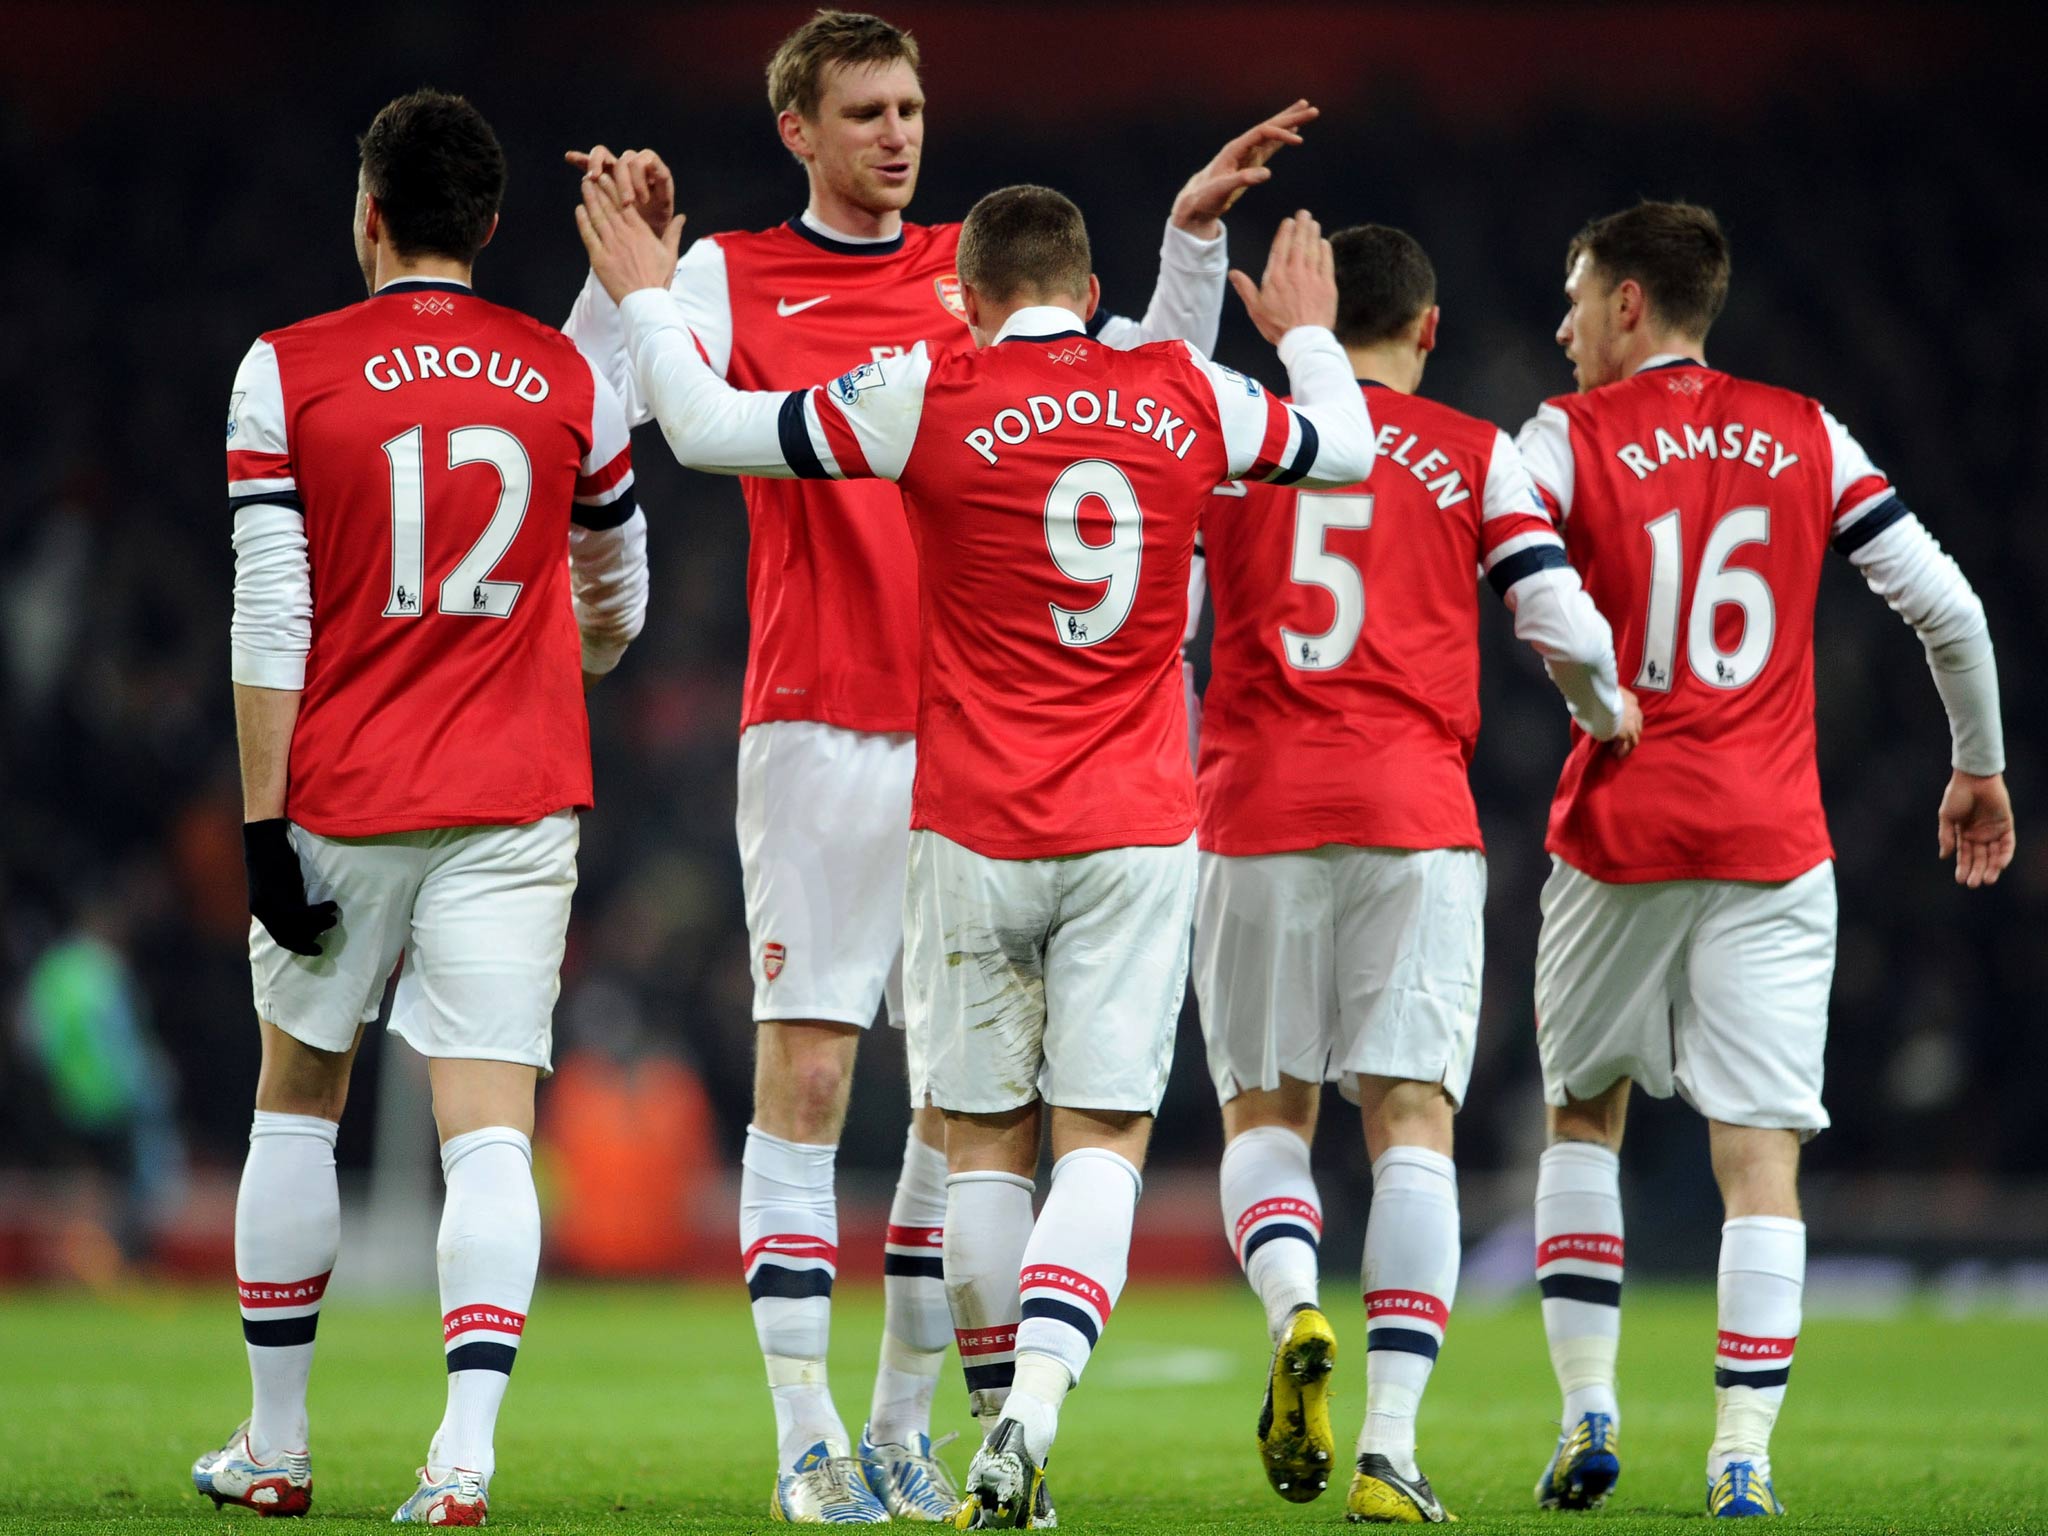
point(1384, 283)
point(1024, 239)
point(1676, 251)
point(796, 72)
point(438, 175)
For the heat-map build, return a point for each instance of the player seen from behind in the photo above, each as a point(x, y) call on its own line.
point(1338, 930)
point(432, 497)
point(1688, 935)
point(1052, 486)
point(826, 745)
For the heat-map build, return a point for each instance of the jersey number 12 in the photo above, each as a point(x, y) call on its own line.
point(468, 588)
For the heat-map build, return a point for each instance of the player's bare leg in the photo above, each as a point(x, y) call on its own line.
point(917, 1326)
point(1410, 1280)
point(1762, 1276)
point(1579, 1271)
point(1272, 1217)
point(488, 1254)
point(287, 1233)
point(1072, 1267)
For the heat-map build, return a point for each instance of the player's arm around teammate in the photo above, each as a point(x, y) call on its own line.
point(365, 652)
point(1688, 938)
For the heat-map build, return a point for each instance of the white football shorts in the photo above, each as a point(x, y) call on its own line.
point(479, 915)
point(1339, 962)
point(1718, 988)
point(1054, 979)
point(824, 828)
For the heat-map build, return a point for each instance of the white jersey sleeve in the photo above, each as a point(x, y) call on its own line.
point(1525, 561)
point(700, 289)
point(1545, 444)
point(1324, 438)
point(1906, 566)
point(608, 575)
point(1187, 303)
point(271, 631)
point(860, 426)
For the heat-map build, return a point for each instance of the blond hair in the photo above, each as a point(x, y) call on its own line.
point(796, 72)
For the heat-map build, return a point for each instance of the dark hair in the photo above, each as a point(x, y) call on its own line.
point(1384, 283)
point(796, 71)
point(1024, 239)
point(1676, 251)
point(437, 172)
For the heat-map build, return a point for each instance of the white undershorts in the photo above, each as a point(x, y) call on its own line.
point(824, 825)
point(479, 915)
point(1718, 988)
point(1338, 962)
point(1054, 979)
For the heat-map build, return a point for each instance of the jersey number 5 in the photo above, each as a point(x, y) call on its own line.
point(1719, 584)
point(468, 588)
point(1313, 565)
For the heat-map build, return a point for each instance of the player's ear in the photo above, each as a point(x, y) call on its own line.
point(489, 232)
point(1425, 337)
point(795, 134)
point(1631, 306)
point(1094, 297)
point(372, 218)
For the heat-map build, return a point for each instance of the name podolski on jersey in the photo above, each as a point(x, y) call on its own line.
point(387, 371)
point(1083, 408)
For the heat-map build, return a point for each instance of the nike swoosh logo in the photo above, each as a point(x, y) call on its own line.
point(785, 309)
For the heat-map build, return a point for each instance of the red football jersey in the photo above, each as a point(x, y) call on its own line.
point(1698, 508)
point(437, 446)
point(1053, 484)
point(1343, 698)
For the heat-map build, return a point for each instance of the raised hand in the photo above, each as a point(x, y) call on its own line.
point(640, 175)
point(624, 253)
point(1976, 826)
point(1300, 283)
point(1240, 164)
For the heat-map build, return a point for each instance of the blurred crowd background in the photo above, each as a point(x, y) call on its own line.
point(182, 181)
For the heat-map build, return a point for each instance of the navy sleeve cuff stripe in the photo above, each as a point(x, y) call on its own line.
point(286, 499)
point(1870, 525)
point(611, 515)
point(1304, 454)
point(795, 437)
point(1526, 562)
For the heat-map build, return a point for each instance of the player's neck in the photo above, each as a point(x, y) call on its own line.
point(1646, 346)
point(836, 216)
point(392, 268)
point(1399, 368)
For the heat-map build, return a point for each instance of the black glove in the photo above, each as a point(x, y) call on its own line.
point(277, 888)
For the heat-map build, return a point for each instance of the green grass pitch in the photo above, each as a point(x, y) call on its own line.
point(643, 1409)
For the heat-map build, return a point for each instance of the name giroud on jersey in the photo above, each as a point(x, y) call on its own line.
point(1084, 408)
point(1709, 442)
point(389, 370)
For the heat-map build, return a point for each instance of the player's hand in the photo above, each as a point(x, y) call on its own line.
point(624, 253)
point(277, 888)
point(1300, 285)
point(1240, 164)
point(1976, 826)
point(1629, 734)
point(650, 188)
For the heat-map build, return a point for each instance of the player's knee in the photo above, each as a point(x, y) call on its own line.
point(1403, 1113)
point(1291, 1106)
point(810, 1094)
point(296, 1079)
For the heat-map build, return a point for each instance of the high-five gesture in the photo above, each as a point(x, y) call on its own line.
point(1976, 826)
point(1300, 285)
point(1238, 165)
point(624, 253)
point(651, 190)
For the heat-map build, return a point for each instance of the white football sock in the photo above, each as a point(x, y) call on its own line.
point(1762, 1276)
point(1073, 1272)
point(488, 1254)
point(1578, 1270)
point(1411, 1277)
point(287, 1232)
point(916, 1325)
point(1273, 1218)
point(988, 1224)
point(789, 1246)
point(1042, 1385)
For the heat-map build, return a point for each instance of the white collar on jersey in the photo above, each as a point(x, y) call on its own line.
point(1665, 359)
point(813, 222)
point(1037, 320)
point(414, 277)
